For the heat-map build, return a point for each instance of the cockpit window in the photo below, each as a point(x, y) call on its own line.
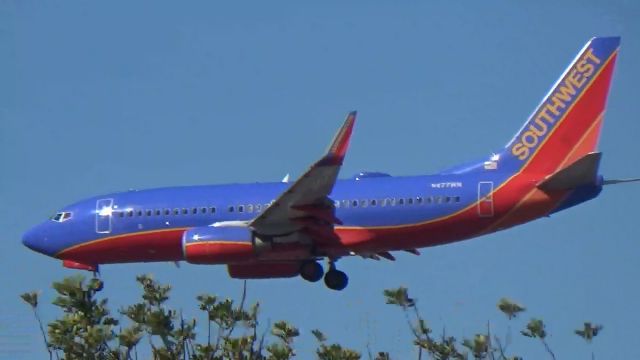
point(62, 216)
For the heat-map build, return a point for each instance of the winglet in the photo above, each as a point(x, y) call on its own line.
point(338, 148)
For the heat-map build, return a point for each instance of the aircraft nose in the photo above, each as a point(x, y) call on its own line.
point(34, 240)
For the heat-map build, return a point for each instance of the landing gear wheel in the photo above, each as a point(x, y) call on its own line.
point(336, 279)
point(96, 284)
point(311, 271)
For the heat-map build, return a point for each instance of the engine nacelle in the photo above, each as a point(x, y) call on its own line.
point(218, 245)
point(265, 270)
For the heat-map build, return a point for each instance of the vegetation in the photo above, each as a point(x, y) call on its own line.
point(87, 330)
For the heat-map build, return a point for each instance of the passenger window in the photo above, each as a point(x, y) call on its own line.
point(373, 202)
point(212, 210)
point(203, 210)
point(176, 211)
point(345, 203)
point(258, 207)
point(447, 199)
point(354, 203)
point(158, 212)
point(149, 212)
point(249, 208)
point(429, 199)
point(240, 208)
point(457, 199)
point(185, 211)
point(167, 211)
point(419, 200)
point(409, 201)
point(363, 203)
point(336, 204)
point(121, 213)
point(401, 201)
point(231, 208)
point(139, 212)
point(194, 210)
point(392, 201)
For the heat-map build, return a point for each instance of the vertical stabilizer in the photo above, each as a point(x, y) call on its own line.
point(566, 125)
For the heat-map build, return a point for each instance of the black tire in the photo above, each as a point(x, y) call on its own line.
point(311, 271)
point(336, 280)
point(99, 285)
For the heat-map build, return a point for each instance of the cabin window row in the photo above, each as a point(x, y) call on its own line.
point(167, 212)
point(248, 208)
point(397, 201)
point(251, 208)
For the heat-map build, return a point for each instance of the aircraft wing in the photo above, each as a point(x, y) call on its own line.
point(305, 206)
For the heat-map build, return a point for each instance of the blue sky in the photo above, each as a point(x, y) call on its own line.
point(98, 97)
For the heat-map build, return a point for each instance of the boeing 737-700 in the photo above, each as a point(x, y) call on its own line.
point(285, 229)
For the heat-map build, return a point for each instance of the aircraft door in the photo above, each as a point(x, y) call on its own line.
point(485, 198)
point(104, 210)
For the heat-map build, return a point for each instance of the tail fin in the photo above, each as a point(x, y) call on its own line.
point(566, 125)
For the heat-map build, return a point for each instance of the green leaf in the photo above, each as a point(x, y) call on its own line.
point(319, 335)
point(31, 298)
point(510, 308)
point(399, 297)
point(535, 329)
point(589, 331)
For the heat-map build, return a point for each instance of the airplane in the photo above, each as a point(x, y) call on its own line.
point(285, 229)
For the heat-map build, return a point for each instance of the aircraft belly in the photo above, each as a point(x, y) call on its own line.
point(148, 246)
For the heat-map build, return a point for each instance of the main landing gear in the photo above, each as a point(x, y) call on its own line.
point(334, 279)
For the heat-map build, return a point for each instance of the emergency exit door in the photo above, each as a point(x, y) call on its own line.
point(104, 211)
point(485, 198)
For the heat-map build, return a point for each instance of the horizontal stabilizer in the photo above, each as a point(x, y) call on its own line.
point(583, 171)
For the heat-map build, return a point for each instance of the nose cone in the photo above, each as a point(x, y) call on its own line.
point(34, 240)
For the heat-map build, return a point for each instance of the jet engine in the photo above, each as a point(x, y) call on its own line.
point(219, 245)
point(238, 244)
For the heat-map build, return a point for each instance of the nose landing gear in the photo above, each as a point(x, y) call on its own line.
point(95, 283)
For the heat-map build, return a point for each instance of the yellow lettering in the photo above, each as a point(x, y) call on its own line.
point(543, 114)
point(554, 107)
point(585, 68)
point(590, 55)
point(532, 136)
point(576, 79)
point(566, 92)
point(521, 151)
point(542, 127)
